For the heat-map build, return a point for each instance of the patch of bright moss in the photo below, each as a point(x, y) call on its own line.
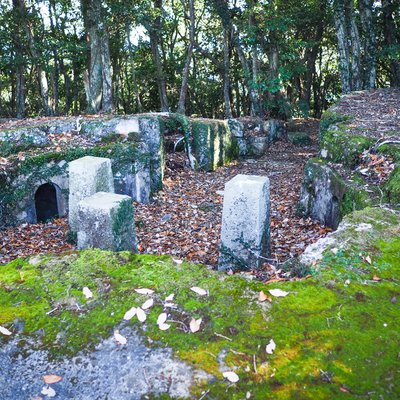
point(392, 187)
point(330, 334)
point(344, 147)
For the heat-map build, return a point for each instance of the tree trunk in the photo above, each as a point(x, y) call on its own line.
point(98, 83)
point(343, 51)
point(36, 56)
point(247, 74)
point(154, 30)
point(391, 38)
point(356, 78)
point(227, 100)
point(369, 43)
point(19, 63)
point(185, 74)
point(20, 91)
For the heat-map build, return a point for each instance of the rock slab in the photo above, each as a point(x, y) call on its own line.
point(106, 222)
point(87, 176)
point(245, 232)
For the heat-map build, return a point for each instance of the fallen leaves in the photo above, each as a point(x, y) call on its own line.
point(161, 322)
point(195, 325)
point(5, 331)
point(162, 318)
point(199, 291)
point(141, 315)
point(48, 391)
point(271, 346)
point(278, 292)
point(50, 379)
point(119, 338)
point(144, 291)
point(231, 376)
point(87, 292)
point(263, 297)
point(147, 304)
point(130, 314)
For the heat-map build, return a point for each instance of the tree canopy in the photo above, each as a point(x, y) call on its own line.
point(213, 58)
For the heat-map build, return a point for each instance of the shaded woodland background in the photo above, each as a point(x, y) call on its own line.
point(212, 58)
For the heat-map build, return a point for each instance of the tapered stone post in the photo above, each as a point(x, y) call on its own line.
point(245, 232)
point(87, 176)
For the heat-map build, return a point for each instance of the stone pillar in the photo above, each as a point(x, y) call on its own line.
point(245, 223)
point(87, 176)
point(106, 222)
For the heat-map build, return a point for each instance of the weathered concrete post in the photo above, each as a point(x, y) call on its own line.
point(245, 223)
point(106, 222)
point(87, 176)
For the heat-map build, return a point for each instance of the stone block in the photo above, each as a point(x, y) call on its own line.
point(87, 176)
point(245, 232)
point(106, 222)
point(236, 127)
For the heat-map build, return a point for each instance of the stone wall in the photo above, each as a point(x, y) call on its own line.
point(30, 159)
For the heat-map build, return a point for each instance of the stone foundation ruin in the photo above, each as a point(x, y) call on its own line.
point(34, 158)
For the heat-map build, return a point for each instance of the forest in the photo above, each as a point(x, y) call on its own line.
point(210, 58)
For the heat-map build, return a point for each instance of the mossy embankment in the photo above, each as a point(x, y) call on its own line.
point(336, 333)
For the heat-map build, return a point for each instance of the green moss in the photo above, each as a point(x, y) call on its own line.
point(212, 143)
point(392, 187)
point(344, 147)
point(331, 118)
point(330, 325)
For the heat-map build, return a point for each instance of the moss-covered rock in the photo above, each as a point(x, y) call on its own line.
point(299, 138)
point(212, 143)
point(392, 187)
point(326, 196)
point(336, 332)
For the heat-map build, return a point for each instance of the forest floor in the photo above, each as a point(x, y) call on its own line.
point(184, 219)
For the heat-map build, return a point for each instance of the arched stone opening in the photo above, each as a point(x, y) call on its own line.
point(46, 202)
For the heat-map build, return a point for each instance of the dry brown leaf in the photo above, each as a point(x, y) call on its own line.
point(147, 304)
point(119, 338)
point(141, 315)
point(164, 326)
point(130, 314)
point(48, 391)
point(144, 291)
point(195, 325)
point(170, 297)
point(199, 291)
point(262, 297)
point(278, 293)
point(87, 292)
point(162, 318)
point(5, 331)
point(231, 376)
point(271, 346)
point(49, 379)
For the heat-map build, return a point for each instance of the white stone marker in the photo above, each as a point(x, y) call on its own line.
point(106, 222)
point(87, 176)
point(245, 223)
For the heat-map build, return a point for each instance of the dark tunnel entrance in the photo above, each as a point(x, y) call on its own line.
point(46, 202)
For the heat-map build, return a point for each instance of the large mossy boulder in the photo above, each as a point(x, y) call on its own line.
point(326, 196)
point(336, 331)
point(212, 144)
